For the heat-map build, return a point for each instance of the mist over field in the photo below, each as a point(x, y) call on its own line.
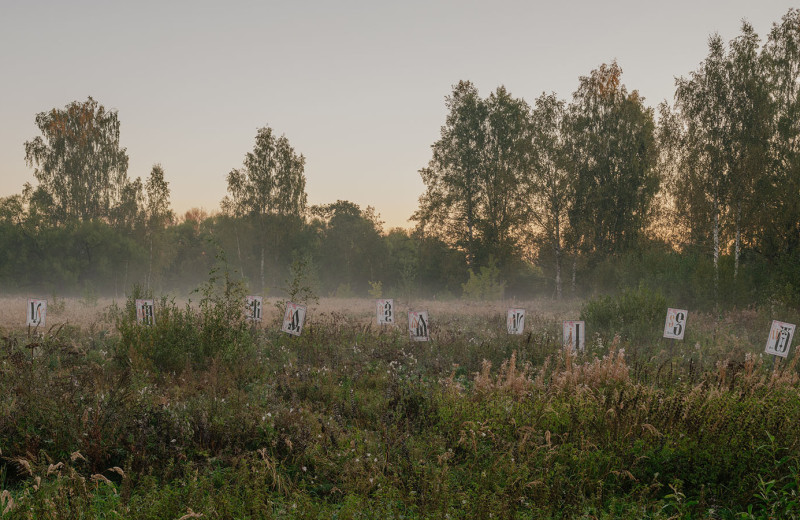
point(590, 315)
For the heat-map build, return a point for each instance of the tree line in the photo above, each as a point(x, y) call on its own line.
point(697, 198)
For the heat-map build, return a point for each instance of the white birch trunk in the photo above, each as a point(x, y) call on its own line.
point(737, 248)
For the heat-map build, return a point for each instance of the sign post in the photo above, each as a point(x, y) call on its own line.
point(780, 339)
point(418, 325)
point(145, 312)
point(675, 325)
point(36, 312)
point(255, 306)
point(385, 312)
point(515, 322)
point(575, 334)
point(294, 318)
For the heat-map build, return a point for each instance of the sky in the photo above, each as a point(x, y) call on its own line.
point(357, 87)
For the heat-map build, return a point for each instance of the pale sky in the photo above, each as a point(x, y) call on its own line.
point(357, 87)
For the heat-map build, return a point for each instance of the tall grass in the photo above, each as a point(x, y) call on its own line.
point(205, 415)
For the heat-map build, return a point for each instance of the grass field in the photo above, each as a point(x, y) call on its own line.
point(206, 416)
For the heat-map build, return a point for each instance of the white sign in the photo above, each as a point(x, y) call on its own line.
point(293, 318)
point(780, 339)
point(255, 306)
point(418, 325)
point(385, 309)
point(145, 312)
point(675, 325)
point(37, 312)
point(515, 323)
point(575, 334)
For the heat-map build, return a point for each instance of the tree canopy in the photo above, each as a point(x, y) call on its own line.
point(78, 162)
point(475, 197)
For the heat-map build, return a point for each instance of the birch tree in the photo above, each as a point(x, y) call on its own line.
point(549, 180)
point(475, 196)
point(610, 138)
point(78, 162)
point(271, 183)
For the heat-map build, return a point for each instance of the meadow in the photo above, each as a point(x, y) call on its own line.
point(205, 415)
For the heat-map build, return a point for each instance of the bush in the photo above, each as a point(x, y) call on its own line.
point(485, 284)
point(187, 336)
point(634, 313)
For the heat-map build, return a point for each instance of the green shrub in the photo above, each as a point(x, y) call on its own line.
point(183, 337)
point(485, 284)
point(632, 313)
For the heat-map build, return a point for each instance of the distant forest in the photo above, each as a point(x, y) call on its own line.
point(698, 199)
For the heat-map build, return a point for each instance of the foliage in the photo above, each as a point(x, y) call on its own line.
point(633, 312)
point(78, 163)
point(485, 285)
point(301, 286)
point(475, 198)
point(269, 189)
point(158, 215)
point(189, 338)
point(550, 187)
point(376, 289)
point(611, 146)
point(272, 180)
point(352, 251)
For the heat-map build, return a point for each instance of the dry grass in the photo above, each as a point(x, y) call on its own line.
point(63, 310)
point(362, 310)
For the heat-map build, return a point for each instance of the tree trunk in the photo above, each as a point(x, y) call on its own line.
point(239, 252)
point(471, 252)
point(574, 270)
point(125, 280)
point(263, 281)
point(150, 265)
point(737, 248)
point(716, 253)
point(558, 258)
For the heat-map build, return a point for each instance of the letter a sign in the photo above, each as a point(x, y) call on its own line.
point(418, 325)
point(294, 318)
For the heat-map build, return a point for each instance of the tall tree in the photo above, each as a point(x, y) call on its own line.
point(475, 197)
point(611, 146)
point(450, 205)
point(78, 162)
point(701, 103)
point(549, 179)
point(724, 123)
point(749, 116)
point(270, 184)
point(779, 219)
point(158, 215)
